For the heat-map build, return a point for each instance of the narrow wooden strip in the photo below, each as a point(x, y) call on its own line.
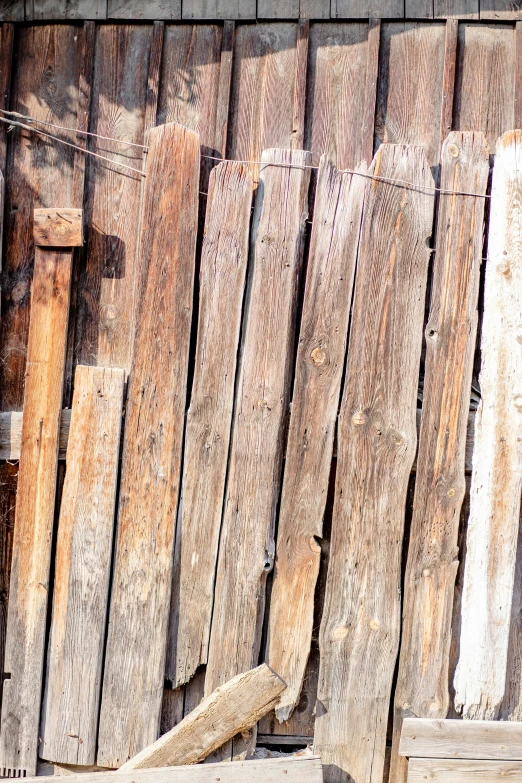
point(24, 655)
point(500, 10)
point(44, 10)
point(457, 9)
point(278, 9)
point(496, 482)
point(83, 112)
point(230, 709)
point(517, 122)
point(422, 686)
point(450, 770)
point(461, 739)
point(223, 95)
point(153, 76)
point(83, 559)
point(247, 547)
point(139, 610)
point(370, 90)
point(301, 63)
point(224, 257)
point(377, 438)
point(137, 9)
point(448, 85)
point(7, 34)
point(370, 9)
point(315, 401)
point(314, 9)
point(219, 9)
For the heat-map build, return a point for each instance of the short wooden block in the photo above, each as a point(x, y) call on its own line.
point(58, 227)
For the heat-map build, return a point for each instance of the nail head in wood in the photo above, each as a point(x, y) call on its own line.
point(58, 227)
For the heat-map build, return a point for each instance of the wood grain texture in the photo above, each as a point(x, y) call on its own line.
point(423, 685)
point(234, 707)
point(43, 10)
point(377, 439)
point(58, 227)
point(410, 86)
point(314, 9)
point(456, 9)
point(496, 483)
point(11, 10)
point(139, 609)
point(83, 560)
point(448, 84)
point(343, 64)
point(418, 9)
point(449, 770)
point(28, 593)
point(461, 739)
point(278, 9)
point(373, 9)
point(223, 265)
point(501, 10)
point(485, 85)
point(136, 9)
point(7, 33)
point(219, 9)
point(247, 546)
point(225, 80)
point(315, 401)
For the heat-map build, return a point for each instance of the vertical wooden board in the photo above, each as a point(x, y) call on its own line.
point(44, 10)
point(500, 9)
point(314, 9)
point(485, 85)
point(278, 9)
point(343, 63)
point(26, 619)
point(139, 608)
point(410, 86)
point(315, 401)
point(456, 9)
point(109, 274)
point(247, 547)
point(7, 34)
point(219, 9)
point(224, 257)
point(377, 435)
point(422, 686)
point(137, 9)
point(171, 709)
point(369, 9)
point(83, 559)
point(264, 90)
point(8, 479)
point(492, 534)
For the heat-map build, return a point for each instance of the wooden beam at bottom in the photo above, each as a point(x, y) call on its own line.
point(460, 771)
point(463, 739)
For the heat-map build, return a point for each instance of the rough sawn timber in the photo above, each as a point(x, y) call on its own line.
point(422, 685)
point(496, 483)
point(451, 770)
point(83, 560)
point(28, 594)
point(223, 265)
point(377, 437)
point(461, 739)
point(230, 709)
point(247, 539)
point(139, 610)
point(315, 401)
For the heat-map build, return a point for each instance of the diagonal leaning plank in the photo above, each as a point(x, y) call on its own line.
point(28, 595)
point(230, 709)
point(224, 259)
point(320, 362)
point(139, 607)
point(247, 548)
point(377, 436)
point(83, 559)
point(422, 686)
point(496, 481)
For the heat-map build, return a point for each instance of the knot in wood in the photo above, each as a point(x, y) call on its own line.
point(453, 150)
point(517, 400)
point(341, 632)
point(359, 419)
point(318, 356)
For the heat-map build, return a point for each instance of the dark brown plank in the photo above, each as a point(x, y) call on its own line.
point(139, 607)
point(377, 438)
point(7, 34)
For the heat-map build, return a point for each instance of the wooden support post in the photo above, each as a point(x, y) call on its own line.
point(139, 610)
point(28, 596)
point(377, 438)
point(496, 483)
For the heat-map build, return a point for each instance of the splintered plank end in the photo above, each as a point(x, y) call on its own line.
point(58, 227)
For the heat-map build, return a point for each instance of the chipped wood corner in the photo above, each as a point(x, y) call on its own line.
point(58, 227)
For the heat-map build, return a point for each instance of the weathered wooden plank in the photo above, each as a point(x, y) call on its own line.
point(224, 258)
point(448, 84)
point(418, 9)
point(485, 86)
point(44, 10)
point(247, 547)
point(219, 9)
point(223, 96)
point(459, 739)
point(377, 438)
point(410, 86)
point(12, 11)
point(7, 33)
point(342, 79)
point(109, 272)
point(278, 9)
point(301, 69)
point(136, 9)
point(373, 9)
point(139, 609)
point(518, 75)
point(496, 483)
point(83, 559)
point(314, 9)
point(456, 9)
point(25, 641)
point(422, 686)
point(171, 708)
point(450, 770)
point(58, 227)
point(315, 401)
point(232, 708)
point(500, 9)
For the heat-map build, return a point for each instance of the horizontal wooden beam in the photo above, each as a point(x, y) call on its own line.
point(461, 739)
point(58, 227)
point(452, 770)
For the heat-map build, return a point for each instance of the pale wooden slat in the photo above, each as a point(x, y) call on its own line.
point(496, 482)
point(422, 684)
point(314, 9)
point(139, 610)
point(137, 9)
point(223, 266)
point(83, 559)
point(315, 400)
point(219, 9)
point(246, 546)
point(278, 9)
point(448, 84)
point(377, 438)
point(464, 739)
point(456, 9)
point(373, 9)
point(43, 10)
point(232, 708)
point(27, 613)
point(451, 770)
point(500, 10)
